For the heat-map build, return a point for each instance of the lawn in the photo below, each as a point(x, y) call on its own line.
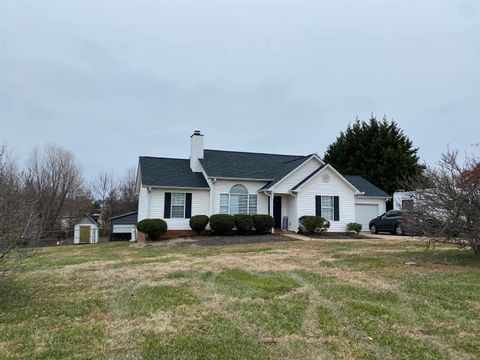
point(277, 300)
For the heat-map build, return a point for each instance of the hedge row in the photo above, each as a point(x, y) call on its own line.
point(222, 224)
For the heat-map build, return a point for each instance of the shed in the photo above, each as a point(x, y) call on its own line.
point(123, 227)
point(86, 231)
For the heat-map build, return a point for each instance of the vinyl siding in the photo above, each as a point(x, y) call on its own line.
point(200, 206)
point(285, 185)
point(334, 187)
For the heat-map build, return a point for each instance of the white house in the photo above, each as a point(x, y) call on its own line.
point(231, 182)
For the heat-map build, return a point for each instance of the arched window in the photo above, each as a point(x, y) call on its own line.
point(238, 201)
point(239, 190)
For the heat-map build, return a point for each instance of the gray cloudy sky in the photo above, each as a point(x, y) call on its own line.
point(112, 80)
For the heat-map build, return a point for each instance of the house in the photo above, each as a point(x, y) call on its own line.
point(231, 182)
point(122, 227)
point(86, 230)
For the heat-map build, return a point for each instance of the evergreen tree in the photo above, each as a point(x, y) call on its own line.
point(379, 151)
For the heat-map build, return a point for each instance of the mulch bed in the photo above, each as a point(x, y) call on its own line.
point(220, 240)
point(339, 236)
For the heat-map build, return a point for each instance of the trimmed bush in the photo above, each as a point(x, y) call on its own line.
point(263, 223)
point(198, 223)
point(221, 223)
point(355, 227)
point(154, 228)
point(243, 223)
point(312, 224)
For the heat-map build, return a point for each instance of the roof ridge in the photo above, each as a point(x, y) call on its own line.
point(162, 157)
point(255, 152)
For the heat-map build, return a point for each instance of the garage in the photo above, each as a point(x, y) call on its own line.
point(123, 227)
point(364, 213)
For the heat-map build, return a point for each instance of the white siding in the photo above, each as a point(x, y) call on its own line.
point(156, 200)
point(334, 187)
point(224, 186)
point(298, 175)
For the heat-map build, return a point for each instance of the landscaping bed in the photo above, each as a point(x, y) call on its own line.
point(212, 240)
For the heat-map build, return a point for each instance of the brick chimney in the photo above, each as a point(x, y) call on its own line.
point(196, 151)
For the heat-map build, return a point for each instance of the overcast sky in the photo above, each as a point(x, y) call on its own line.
point(112, 80)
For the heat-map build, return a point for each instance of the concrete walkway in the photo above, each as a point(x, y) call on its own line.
point(296, 236)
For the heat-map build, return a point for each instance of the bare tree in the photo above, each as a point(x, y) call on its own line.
point(16, 214)
point(128, 199)
point(447, 202)
point(105, 189)
point(51, 177)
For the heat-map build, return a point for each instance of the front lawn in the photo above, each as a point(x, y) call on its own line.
point(277, 300)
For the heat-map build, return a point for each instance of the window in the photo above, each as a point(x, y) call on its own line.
point(252, 204)
point(224, 198)
point(238, 201)
point(178, 205)
point(327, 207)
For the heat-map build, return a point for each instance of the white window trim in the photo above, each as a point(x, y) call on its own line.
point(248, 203)
point(328, 207)
point(184, 206)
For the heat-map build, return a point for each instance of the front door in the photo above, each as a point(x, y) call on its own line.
point(84, 233)
point(277, 211)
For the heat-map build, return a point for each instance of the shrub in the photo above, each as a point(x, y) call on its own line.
point(221, 223)
point(355, 227)
point(152, 227)
point(312, 224)
point(243, 223)
point(263, 223)
point(198, 223)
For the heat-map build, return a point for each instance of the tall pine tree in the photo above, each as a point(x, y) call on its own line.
point(379, 151)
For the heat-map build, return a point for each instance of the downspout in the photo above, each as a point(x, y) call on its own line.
point(149, 190)
point(212, 196)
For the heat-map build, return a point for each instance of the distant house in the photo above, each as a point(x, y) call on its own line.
point(86, 230)
point(231, 182)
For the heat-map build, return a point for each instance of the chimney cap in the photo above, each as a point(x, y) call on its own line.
point(197, 133)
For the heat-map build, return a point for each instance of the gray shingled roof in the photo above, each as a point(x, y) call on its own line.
point(365, 186)
point(170, 173)
point(247, 165)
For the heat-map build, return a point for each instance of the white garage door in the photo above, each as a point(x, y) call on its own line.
point(364, 213)
point(123, 229)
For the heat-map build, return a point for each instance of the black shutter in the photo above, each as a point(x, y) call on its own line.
point(168, 205)
point(336, 208)
point(269, 204)
point(318, 205)
point(188, 205)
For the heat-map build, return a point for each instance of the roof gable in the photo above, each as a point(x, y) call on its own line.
point(319, 170)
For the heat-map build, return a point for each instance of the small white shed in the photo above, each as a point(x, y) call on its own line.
point(86, 231)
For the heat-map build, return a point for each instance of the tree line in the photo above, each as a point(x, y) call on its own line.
point(49, 193)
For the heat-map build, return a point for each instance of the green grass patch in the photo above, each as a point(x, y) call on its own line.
point(210, 338)
point(276, 316)
point(240, 283)
point(145, 300)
